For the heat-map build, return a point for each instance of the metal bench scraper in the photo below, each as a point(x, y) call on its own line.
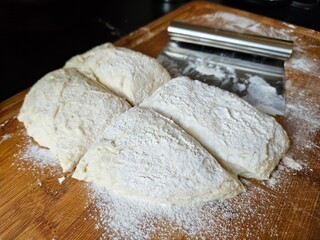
point(250, 66)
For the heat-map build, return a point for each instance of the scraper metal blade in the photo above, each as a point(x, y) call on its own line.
point(250, 66)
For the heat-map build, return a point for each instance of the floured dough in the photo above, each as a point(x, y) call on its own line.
point(146, 156)
point(245, 141)
point(127, 73)
point(65, 111)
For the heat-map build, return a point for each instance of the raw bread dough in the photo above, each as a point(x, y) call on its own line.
point(146, 156)
point(246, 141)
point(125, 72)
point(65, 111)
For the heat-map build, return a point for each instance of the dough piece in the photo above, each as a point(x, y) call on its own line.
point(125, 72)
point(65, 111)
point(146, 156)
point(244, 140)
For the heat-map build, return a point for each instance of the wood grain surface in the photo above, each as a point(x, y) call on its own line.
point(34, 205)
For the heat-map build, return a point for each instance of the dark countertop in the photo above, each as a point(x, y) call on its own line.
point(38, 36)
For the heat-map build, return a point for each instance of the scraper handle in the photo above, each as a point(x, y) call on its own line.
point(218, 38)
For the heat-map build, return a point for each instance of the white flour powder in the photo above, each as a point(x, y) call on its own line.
point(291, 163)
point(5, 137)
point(302, 64)
point(232, 22)
point(3, 124)
point(305, 112)
point(38, 160)
point(287, 164)
point(216, 219)
point(39, 155)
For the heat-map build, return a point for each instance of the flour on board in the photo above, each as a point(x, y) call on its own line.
point(233, 22)
point(5, 137)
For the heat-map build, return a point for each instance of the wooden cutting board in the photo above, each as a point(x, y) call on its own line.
point(38, 203)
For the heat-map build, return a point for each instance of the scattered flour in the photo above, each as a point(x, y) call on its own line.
point(121, 217)
point(39, 183)
point(303, 64)
point(3, 124)
point(232, 22)
point(40, 156)
point(5, 137)
point(305, 112)
point(38, 160)
point(276, 177)
point(287, 164)
point(292, 164)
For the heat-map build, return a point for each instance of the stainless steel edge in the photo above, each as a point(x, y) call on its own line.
point(252, 44)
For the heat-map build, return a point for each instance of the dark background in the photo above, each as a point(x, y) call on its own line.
point(38, 36)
